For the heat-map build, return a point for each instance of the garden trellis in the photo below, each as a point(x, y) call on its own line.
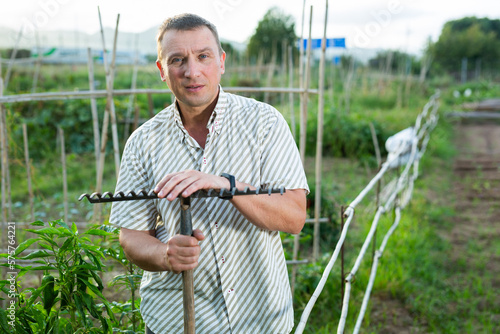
point(398, 198)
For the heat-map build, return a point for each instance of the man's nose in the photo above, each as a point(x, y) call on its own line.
point(192, 68)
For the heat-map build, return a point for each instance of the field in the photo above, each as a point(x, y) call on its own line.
point(439, 271)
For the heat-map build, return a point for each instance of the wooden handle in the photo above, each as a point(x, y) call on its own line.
point(188, 299)
point(187, 276)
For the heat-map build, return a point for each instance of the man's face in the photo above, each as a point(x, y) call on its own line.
point(192, 67)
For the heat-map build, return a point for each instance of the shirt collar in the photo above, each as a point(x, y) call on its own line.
point(216, 120)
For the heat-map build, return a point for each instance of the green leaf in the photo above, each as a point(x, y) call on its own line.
point(3, 321)
point(43, 268)
point(45, 231)
point(38, 223)
point(78, 303)
point(24, 245)
point(36, 293)
point(36, 254)
point(98, 232)
point(74, 228)
point(63, 224)
point(94, 259)
point(98, 280)
point(66, 244)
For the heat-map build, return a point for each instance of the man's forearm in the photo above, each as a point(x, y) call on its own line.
point(144, 250)
point(285, 213)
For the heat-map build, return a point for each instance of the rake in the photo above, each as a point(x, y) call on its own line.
point(186, 227)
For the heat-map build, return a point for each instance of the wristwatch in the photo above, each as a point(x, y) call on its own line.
point(232, 184)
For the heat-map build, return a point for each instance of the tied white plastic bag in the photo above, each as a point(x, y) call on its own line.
point(400, 145)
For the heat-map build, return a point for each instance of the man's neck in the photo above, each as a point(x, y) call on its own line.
point(195, 121)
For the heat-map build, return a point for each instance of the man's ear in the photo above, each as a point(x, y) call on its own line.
point(162, 71)
point(223, 62)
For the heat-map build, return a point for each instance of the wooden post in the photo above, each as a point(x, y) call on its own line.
point(270, 71)
point(110, 106)
point(6, 207)
point(151, 106)
point(301, 49)
point(38, 64)
point(28, 170)
point(93, 108)
point(305, 97)
point(64, 174)
point(131, 98)
point(342, 280)
point(319, 140)
point(12, 57)
point(290, 95)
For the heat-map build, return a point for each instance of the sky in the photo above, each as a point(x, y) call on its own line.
point(403, 25)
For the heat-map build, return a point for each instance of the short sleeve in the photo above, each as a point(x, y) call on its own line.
point(137, 215)
point(280, 159)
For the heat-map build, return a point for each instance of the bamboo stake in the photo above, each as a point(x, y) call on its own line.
point(3, 151)
point(114, 129)
point(64, 174)
point(28, 170)
point(11, 62)
point(151, 106)
point(290, 95)
point(6, 190)
point(319, 140)
point(131, 100)
point(270, 72)
point(284, 52)
point(75, 95)
point(376, 145)
point(301, 49)
point(38, 64)
point(110, 106)
point(93, 108)
point(4, 172)
point(305, 97)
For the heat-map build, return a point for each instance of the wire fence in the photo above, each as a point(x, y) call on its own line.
point(408, 152)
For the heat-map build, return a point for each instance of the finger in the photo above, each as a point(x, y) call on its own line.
point(159, 186)
point(168, 183)
point(198, 234)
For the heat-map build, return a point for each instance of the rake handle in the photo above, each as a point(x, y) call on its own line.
point(187, 275)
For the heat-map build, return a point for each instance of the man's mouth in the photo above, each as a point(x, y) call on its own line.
point(194, 88)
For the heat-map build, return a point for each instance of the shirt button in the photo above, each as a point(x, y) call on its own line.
point(204, 160)
point(230, 290)
point(223, 260)
point(216, 225)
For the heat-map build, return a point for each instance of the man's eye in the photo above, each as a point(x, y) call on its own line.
point(176, 60)
point(202, 56)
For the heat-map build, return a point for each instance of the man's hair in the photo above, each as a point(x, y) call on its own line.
point(184, 22)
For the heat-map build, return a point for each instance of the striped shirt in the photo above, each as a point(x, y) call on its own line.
point(241, 282)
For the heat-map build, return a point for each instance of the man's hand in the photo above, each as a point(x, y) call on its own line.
point(183, 251)
point(187, 182)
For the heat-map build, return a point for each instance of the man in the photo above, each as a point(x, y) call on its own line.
point(240, 277)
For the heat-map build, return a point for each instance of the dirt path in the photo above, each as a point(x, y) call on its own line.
point(476, 231)
point(477, 188)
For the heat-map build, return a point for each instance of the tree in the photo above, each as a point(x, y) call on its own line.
point(471, 38)
point(393, 61)
point(274, 28)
